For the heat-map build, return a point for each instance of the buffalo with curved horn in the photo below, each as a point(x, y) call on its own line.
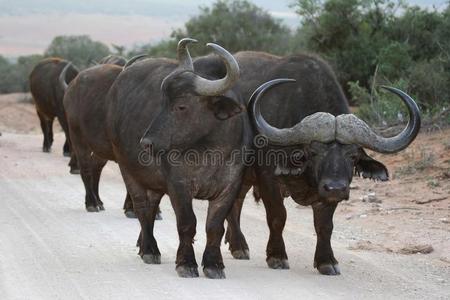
point(314, 173)
point(86, 107)
point(324, 151)
point(188, 110)
point(325, 128)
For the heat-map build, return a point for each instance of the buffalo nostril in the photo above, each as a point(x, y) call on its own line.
point(327, 188)
point(334, 187)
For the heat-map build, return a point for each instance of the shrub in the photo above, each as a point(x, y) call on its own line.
point(377, 107)
point(431, 83)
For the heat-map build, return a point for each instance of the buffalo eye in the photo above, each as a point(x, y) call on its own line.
point(180, 107)
point(354, 156)
point(315, 149)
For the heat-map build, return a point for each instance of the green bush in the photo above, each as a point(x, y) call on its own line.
point(165, 48)
point(378, 107)
point(394, 60)
point(14, 77)
point(81, 50)
point(431, 83)
point(236, 25)
point(419, 28)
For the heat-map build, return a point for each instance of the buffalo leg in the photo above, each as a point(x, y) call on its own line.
point(128, 207)
point(90, 174)
point(73, 164)
point(234, 236)
point(145, 204)
point(90, 169)
point(97, 165)
point(50, 130)
point(129, 211)
point(181, 200)
point(276, 219)
point(324, 259)
point(218, 209)
point(67, 146)
point(47, 131)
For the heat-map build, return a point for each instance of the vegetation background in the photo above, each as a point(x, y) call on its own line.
point(367, 42)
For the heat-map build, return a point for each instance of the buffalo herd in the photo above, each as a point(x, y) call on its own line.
point(212, 128)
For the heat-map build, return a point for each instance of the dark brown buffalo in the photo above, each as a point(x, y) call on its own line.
point(323, 152)
point(323, 145)
point(86, 106)
point(318, 163)
point(48, 98)
point(84, 103)
point(187, 111)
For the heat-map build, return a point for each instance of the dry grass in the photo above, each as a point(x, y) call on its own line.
point(417, 161)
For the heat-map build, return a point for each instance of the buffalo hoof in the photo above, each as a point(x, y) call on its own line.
point(130, 214)
point(187, 271)
point(152, 259)
point(46, 149)
point(92, 209)
point(74, 171)
point(329, 269)
point(278, 263)
point(241, 254)
point(214, 273)
point(66, 154)
point(158, 216)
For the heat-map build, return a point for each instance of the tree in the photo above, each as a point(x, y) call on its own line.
point(234, 24)
point(373, 42)
point(14, 77)
point(24, 66)
point(166, 48)
point(349, 33)
point(5, 76)
point(418, 28)
point(81, 50)
point(443, 42)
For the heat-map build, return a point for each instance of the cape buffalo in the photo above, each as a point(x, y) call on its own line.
point(189, 113)
point(323, 167)
point(86, 105)
point(48, 96)
point(323, 145)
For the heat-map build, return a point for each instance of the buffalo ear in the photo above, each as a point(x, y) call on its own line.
point(367, 167)
point(225, 107)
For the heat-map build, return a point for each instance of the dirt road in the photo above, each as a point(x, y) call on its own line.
point(51, 248)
